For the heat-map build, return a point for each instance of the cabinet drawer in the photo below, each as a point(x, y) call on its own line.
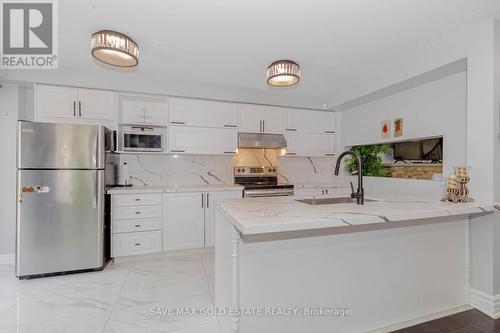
point(134, 225)
point(136, 212)
point(121, 200)
point(136, 243)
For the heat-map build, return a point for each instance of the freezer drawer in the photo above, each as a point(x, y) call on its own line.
point(60, 146)
point(60, 221)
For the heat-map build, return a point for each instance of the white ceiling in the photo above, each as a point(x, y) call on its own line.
point(346, 48)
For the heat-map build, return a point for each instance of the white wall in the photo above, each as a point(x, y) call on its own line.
point(8, 119)
point(435, 109)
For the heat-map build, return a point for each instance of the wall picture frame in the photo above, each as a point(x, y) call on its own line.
point(385, 129)
point(398, 127)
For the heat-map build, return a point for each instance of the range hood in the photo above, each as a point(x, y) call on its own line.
point(261, 140)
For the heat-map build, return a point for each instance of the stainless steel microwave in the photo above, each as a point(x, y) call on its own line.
point(142, 138)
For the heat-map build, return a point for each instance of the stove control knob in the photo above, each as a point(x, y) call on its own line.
point(274, 170)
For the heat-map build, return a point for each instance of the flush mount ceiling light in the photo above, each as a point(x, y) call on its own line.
point(283, 73)
point(114, 48)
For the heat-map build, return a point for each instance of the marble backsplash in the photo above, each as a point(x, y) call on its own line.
point(200, 169)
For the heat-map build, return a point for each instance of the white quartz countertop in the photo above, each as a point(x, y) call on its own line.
point(283, 214)
point(174, 188)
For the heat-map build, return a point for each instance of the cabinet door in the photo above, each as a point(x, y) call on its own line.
point(96, 104)
point(183, 224)
point(54, 102)
point(310, 144)
point(141, 109)
point(309, 121)
point(272, 120)
point(250, 118)
point(211, 199)
point(195, 112)
point(200, 140)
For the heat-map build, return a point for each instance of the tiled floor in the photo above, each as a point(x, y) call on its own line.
point(121, 298)
point(118, 299)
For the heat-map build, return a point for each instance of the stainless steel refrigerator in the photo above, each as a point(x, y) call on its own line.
point(61, 198)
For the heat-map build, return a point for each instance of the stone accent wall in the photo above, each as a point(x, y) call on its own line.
point(419, 171)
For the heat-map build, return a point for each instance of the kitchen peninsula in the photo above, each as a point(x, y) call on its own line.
point(390, 261)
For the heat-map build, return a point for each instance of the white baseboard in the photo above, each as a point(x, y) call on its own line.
point(420, 320)
point(7, 259)
point(487, 304)
point(163, 254)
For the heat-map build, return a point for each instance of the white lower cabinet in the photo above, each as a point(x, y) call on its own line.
point(134, 243)
point(136, 224)
point(189, 218)
point(212, 198)
point(183, 225)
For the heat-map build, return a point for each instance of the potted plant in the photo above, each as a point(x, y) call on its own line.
point(372, 162)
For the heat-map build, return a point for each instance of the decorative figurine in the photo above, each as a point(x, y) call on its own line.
point(457, 186)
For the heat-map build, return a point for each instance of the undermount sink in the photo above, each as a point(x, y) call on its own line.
point(330, 201)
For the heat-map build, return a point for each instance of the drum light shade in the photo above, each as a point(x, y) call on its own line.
point(114, 48)
point(283, 73)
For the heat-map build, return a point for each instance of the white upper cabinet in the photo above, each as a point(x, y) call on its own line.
point(96, 104)
point(203, 113)
point(260, 119)
point(309, 121)
point(202, 140)
point(310, 144)
point(68, 104)
point(142, 109)
point(250, 118)
point(56, 102)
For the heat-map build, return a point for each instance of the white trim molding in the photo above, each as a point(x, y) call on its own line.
point(489, 305)
point(7, 259)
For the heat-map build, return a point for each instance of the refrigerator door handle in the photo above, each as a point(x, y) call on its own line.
point(95, 189)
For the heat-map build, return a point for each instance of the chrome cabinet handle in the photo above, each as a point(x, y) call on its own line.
point(177, 151)
point(137, 213)
point(208, 201)
point(137, 244)
point(291, 153)
point(330, 132)
point(74, 108)
point(263, 126)
point(291, 129)
point(260, 128)
point(80, 108)
point(202, 200)
point(230, 126)
point(137, 225)
point(329, 154)
point(137, 199)
point(229, 152)
point(326, 191)
point(178, 122)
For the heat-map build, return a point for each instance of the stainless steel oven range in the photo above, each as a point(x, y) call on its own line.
point(260, 181)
